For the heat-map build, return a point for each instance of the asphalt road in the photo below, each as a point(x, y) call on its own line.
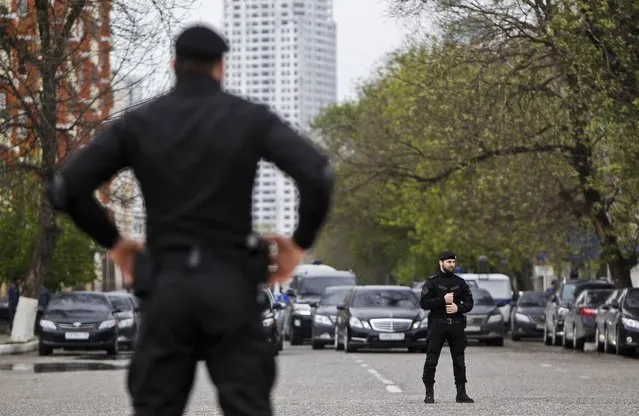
point(524, 378)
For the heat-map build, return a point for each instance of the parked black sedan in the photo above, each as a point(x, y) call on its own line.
point(270, 325)
point(381, 317)
point(622, 328)
point(527, 315)
point(129, 317)
point(485, 322)
point(579, 322)
point(324, 314)
point(80, 321)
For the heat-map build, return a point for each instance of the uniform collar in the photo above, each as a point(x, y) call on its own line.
point(197, 85)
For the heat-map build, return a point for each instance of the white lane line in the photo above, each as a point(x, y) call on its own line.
point(380, 377)
point(393, 389)
point(583, 377)
point(390, 384)
point(545, 365)
point(562, 370)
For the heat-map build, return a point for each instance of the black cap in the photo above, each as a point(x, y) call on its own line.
point(200, 43)
point(447, 255)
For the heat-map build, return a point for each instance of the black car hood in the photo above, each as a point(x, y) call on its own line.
point(373, 313)
point(307, 299)
point(77, 317)
point(531, 310)
point(483, 310)
point(328, 310)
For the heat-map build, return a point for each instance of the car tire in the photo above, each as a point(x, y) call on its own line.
point(598, 344)
point(114, 349)
point(317, 345)
point(44, 351)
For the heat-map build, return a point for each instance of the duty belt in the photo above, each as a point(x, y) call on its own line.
point(447, 321)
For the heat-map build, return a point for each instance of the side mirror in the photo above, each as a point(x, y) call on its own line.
point(290, 292)
point(500, 303)
point(283, 305)
point(341, 307)
point(117, 310)
point(277, 306)
point(314, 304)
point(604, 307)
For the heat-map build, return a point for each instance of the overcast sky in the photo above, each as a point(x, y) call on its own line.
point(365, 32)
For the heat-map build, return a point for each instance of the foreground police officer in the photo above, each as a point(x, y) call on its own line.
point(195, 152)
point(447, 297)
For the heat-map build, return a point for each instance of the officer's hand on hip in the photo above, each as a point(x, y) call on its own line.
point(288, 256)
point(123, 255)
point(448, 297)
point(452, 308)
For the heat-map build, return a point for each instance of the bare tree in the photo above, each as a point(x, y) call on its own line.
point(61, 61)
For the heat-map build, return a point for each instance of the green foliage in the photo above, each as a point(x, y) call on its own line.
point(73, 256)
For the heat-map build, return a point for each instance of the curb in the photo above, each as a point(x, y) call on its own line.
point(18, 348)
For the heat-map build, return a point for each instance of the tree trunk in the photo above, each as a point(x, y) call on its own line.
point(24, 322)
point(620, 265)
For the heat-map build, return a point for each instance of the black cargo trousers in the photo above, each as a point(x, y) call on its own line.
point(206, 312)
point(452, 331)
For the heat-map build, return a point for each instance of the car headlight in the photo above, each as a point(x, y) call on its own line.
point(497, 317)
point(323, 320)
point(125, 323)
point(302, 309)
point(521, 317)
point(561, 311)
point(630, 323)
point(108, 324)
point(266, 322)
point(356, 323)
point(46, 324)
point(421, 324)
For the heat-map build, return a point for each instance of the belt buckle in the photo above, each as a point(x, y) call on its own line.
point(449, 321)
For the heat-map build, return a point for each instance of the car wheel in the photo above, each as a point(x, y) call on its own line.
point(44, 351)
point(338, 345)
point(599, 345)
point(555, 338)
point(114, 349)
point(547, 340)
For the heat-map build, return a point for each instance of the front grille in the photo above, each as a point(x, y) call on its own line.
point(538, 319)
point(84, 325)
point(476, 320)
point(391, 325)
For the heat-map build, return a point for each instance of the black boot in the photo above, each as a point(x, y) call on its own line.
point(462, 397)
point(430, 394)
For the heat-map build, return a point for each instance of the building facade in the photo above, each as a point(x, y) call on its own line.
point(283, 54)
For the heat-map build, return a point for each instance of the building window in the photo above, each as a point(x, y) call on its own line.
point(3, 101)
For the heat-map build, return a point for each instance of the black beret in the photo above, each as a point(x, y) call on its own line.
point(447, 255)
point(200, 43)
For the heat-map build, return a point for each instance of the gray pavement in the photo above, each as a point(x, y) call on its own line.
point(524, 378)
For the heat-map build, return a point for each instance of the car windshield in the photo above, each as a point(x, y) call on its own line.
point(385, 298)
point(571, 291)
point(314, 286)
point(120, 302)
point(333, 296)
point(632, 299)
point(78, 302)
point(597, 297)
point(482, 298)
point(532, 300)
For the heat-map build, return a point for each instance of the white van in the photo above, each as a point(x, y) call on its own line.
point(498, 285)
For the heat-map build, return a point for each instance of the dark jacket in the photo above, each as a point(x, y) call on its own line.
point(437, 286)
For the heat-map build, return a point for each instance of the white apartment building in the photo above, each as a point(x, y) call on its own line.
point(283, 54)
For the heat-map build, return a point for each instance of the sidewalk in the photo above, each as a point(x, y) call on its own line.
point(8, 348)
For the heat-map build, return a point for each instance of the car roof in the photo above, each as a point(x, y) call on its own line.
point(327, 273)
point(383, 287)
point(338, 288)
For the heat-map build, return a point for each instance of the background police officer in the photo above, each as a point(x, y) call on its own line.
point(447, 297)
point(195, 153)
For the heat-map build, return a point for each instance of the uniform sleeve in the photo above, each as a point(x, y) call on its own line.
point(73, 186)
point(299, 158)
point(430, 299)
point(465, 304)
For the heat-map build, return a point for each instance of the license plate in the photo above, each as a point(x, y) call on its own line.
point(297, 322)
point(473, 328)
point(391, 337)
point(76, 335)
point(540, 326)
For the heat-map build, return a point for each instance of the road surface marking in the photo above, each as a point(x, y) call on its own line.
point(393, 389)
